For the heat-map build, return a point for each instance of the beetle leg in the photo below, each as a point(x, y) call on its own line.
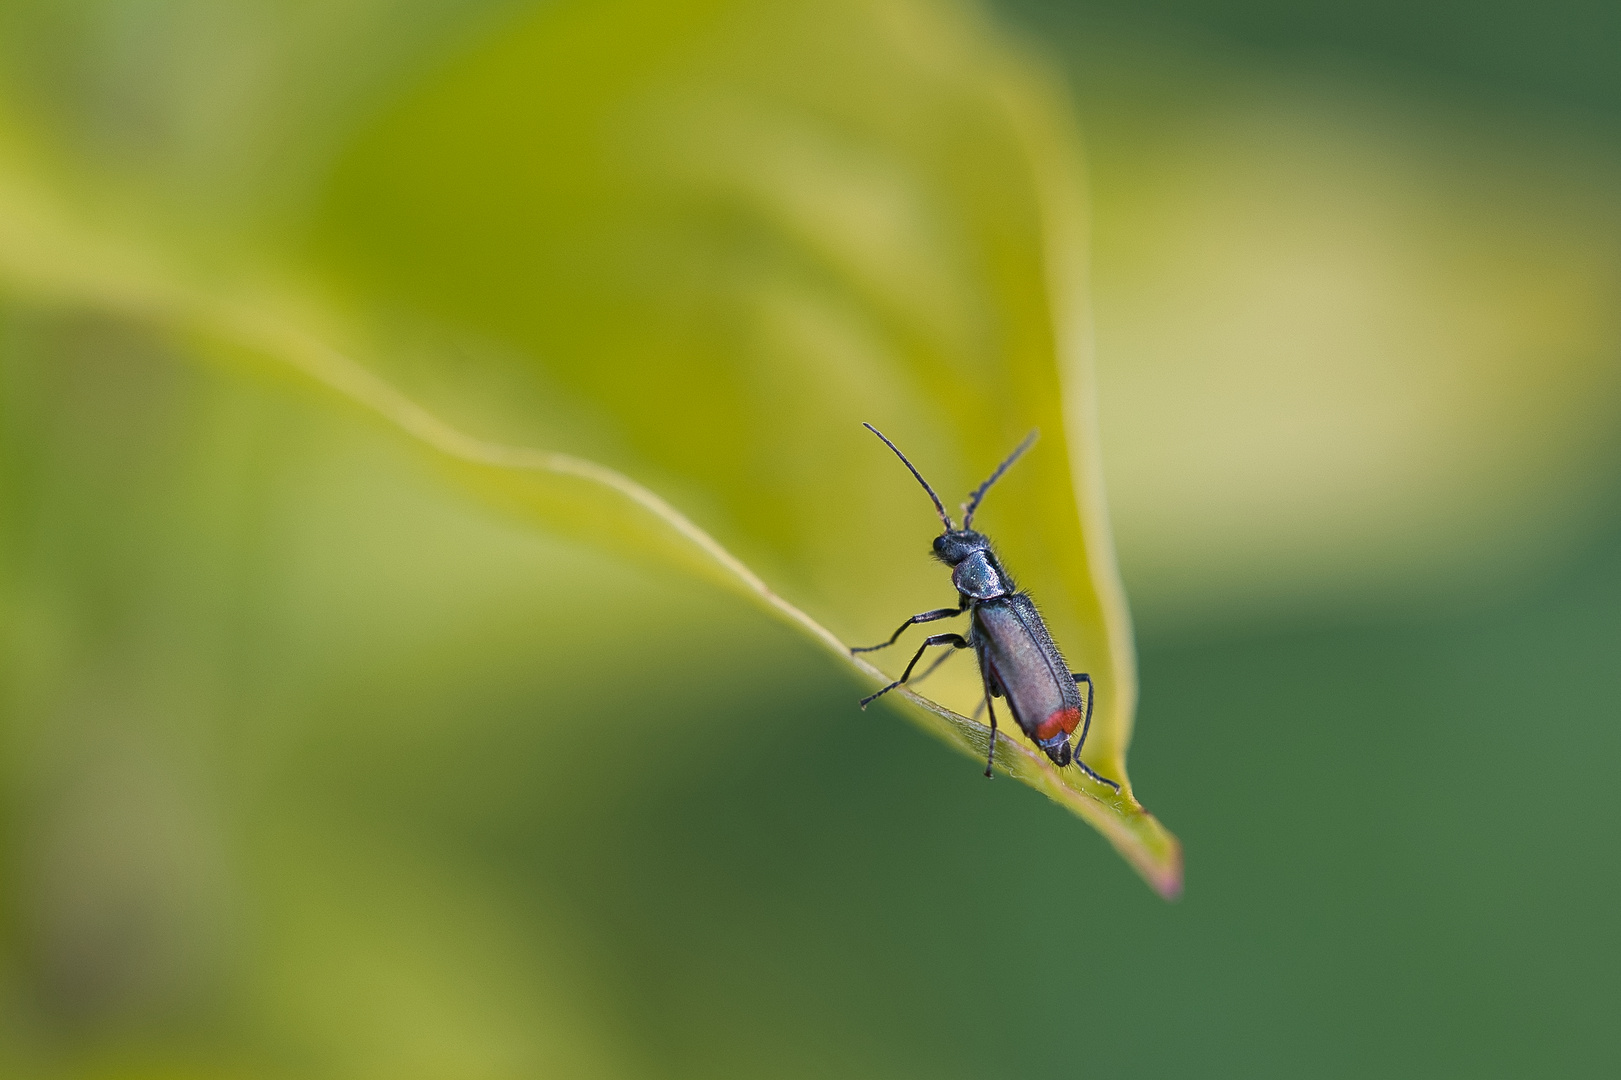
point(956, 641)
point(1087, 769)
point(1082, 677)
point(927, 616)
point(993, 688)
point(930, 670)
point(990, 758)
point(1086, 725)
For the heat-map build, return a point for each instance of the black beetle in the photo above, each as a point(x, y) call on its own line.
point(1018, 659)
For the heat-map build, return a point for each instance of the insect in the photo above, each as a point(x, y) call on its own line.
point(1018, 659)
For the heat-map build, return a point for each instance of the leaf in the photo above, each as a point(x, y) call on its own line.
point(697, 245)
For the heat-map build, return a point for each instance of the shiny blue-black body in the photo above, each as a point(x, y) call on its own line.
point(1018, 659)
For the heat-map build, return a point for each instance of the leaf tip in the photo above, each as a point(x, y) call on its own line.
point(1164, 875)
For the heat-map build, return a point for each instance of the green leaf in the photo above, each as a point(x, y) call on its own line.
point(688, 249)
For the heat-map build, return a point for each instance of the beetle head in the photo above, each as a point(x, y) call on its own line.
point(954, 545)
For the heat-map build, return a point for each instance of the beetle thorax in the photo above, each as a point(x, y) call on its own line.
point(975, 571)
point(980, 578)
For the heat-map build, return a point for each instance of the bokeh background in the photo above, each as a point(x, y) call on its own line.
point(317, 763)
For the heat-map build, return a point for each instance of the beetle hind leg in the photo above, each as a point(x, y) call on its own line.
point(1075, 754)
point(1087, 769)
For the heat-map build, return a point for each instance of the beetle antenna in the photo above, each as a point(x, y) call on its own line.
point(938, 505)
point(979, 492)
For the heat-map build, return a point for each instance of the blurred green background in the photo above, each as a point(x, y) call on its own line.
point(317, 764)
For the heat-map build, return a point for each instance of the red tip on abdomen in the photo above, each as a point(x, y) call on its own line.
point(1061, 720)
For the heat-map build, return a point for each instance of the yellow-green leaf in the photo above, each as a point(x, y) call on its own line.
point(686, 249)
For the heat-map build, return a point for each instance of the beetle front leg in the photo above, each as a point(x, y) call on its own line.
point(927, 616)
point(956, 641)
